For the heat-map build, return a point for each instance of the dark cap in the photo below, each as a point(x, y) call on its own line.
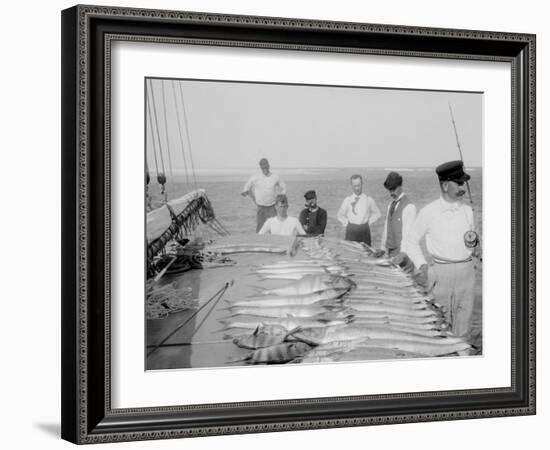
point(393, 180)
point(310, 194)
point(264, 162)
point(452, 171)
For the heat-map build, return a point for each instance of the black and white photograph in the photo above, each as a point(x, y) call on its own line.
point(310, 224)
point(276, 221)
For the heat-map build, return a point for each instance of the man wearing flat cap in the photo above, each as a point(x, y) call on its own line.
point(448, 227)
point(312, 217)
point(399, 216)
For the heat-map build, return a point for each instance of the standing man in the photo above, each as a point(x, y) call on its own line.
point(399, 216)
point(448, 226)
point(282, 224)
point(358, 212)
point(313, 218)
point(262, 189)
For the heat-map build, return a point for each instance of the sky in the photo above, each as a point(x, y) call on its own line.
point(231, 125)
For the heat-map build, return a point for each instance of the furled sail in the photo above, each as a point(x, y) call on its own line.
point(179, 216)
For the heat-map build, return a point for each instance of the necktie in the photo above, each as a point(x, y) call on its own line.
point(392, 207)
point(353, 204)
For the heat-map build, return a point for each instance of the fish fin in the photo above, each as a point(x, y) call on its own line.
point(341, 296)
point(294, 330)
point(305, 340)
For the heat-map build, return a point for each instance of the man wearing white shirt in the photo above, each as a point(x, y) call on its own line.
point(358, 212)
point(282, 224)
point(448, 227)
point(262, 189)
point(399, 216)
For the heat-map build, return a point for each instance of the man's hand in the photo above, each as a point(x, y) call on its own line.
point(421, 276)
point(403, 261)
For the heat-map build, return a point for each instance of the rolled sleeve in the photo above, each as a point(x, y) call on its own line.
point(341, 216)
point(248, 185)
point(413, 238)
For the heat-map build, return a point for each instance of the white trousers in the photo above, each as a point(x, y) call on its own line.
point(453, 288)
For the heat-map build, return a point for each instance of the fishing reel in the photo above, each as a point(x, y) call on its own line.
point(471, 239)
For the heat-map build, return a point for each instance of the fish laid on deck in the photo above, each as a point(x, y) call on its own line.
point(276, 354)
point(287, 311)
point(310, 284)
point(339, 307)
point(286, 323)
point(315, 336)
point(259, 339)
point(278, 300)
point(247, 249)
point(428, 348)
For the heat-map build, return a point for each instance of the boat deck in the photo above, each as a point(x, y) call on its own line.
point(199, 343)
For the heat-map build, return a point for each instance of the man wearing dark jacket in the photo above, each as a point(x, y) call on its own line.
point(313, 218)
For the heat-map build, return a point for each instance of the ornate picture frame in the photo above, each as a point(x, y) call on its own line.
point(88, 33)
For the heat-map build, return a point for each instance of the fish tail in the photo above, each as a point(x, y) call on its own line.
point(294, 330)
point(240, 360)
point(222, 330)
point(222, 319)
point(258, 289)
point(305, 340)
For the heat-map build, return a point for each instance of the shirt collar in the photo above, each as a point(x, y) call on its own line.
point(361, 195)
point(448, 206)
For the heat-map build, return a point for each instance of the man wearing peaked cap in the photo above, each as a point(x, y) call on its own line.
point(313, 218)
point(448, 226)
point(400, 216)
point(452, 171)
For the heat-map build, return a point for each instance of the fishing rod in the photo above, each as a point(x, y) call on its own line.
point(460, 152)
point(218, 294)
point(471, 238)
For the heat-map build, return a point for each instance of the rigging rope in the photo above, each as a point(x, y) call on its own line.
point(152, 135)
point(161, 177)
point(180, 133)
point(187, 135)
point(166, 129)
